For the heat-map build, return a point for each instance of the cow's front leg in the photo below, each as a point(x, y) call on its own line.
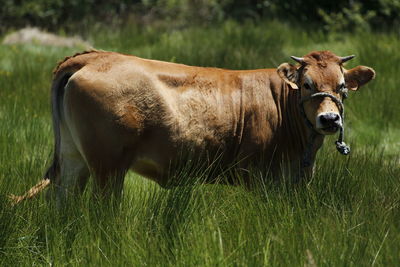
point(307, 163)
point(305, 174)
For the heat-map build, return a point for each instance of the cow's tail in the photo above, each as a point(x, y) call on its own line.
point(57, 95)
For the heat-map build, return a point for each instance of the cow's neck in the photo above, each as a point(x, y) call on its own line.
point(300, 137)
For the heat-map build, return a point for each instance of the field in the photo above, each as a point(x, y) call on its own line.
point(348, 215)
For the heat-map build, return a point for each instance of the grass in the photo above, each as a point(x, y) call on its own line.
point(348, 215)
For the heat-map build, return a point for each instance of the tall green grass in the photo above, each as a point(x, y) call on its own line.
point(347, 215)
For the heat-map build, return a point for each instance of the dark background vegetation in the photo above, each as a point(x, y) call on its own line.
point(339, 15)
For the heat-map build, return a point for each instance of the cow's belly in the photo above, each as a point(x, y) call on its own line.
point(150, 169)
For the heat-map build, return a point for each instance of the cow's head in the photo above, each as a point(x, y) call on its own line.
point(323, 71)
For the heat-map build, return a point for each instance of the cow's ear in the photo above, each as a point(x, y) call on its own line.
point(358, 76)
point(288, 73)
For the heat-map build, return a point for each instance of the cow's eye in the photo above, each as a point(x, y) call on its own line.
point(307, 86)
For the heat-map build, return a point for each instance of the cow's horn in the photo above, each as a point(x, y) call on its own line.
point(298, 59)
point(346, 58)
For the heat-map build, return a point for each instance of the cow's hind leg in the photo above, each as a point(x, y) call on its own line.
point(108, 168)
point(108, 183)
point(73, 170)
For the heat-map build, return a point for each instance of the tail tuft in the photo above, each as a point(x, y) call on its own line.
point(31, 193)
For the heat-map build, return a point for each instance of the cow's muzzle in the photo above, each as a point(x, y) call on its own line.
point(328, 122)
point(332, 121)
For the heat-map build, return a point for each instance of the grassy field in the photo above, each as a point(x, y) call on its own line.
point(348, 215)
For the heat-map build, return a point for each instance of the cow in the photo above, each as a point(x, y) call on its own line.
point(113, 113)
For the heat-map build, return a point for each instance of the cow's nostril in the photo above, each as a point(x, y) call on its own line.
point(336, 117)
point(323, 119)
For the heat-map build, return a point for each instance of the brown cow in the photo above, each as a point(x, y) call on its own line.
point(114, 112)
